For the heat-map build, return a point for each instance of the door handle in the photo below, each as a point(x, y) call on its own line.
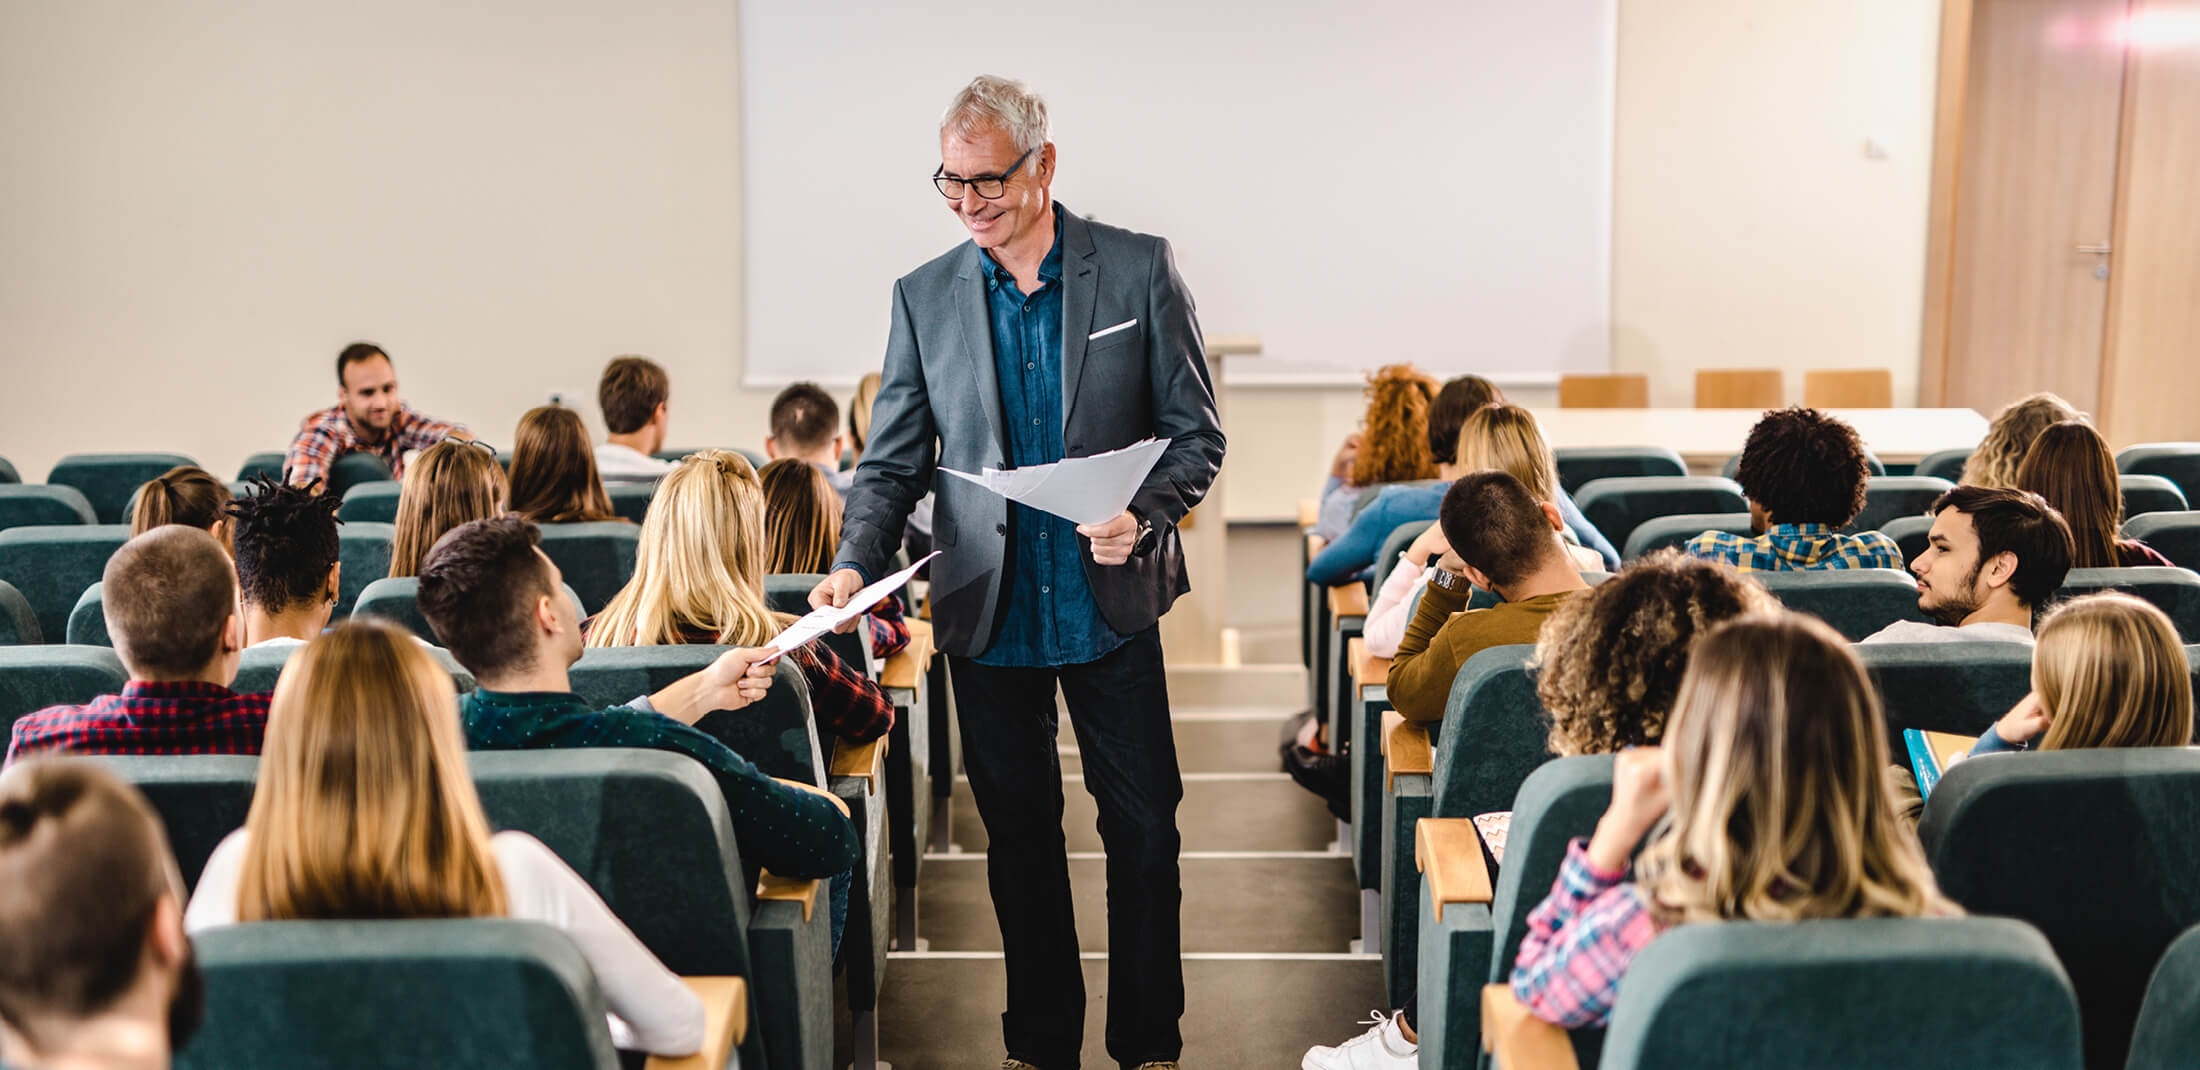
point(2096, 250)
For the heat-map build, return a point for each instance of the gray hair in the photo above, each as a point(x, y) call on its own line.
point(1001, 103)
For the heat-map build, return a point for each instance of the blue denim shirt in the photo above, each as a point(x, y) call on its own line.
point(1049, 616)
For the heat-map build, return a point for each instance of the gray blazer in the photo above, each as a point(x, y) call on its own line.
point(939, 404)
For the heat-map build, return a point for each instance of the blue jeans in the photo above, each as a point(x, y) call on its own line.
point(1119, 707)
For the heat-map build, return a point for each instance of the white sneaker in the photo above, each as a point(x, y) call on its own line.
point(1383, 1047)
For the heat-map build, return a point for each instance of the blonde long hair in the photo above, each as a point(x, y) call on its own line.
point(2110, 673)
point(364, 807)
point(700, 566)
point(450, 483)
point(1994, 464)
point(1505, 437)
point(1773, 759)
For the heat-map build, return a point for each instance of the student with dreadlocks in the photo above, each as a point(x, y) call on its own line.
point(287, 563)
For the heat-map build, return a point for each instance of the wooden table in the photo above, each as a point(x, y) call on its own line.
point(1705, 438)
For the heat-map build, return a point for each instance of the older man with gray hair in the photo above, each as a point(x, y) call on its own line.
point(1048, 336)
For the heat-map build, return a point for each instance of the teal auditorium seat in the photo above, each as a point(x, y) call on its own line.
point(2170, 1017)
point(1961, 688)
point(200, 799)
point(2179, 462)
point(1618, 506)
point(1887, 993)
point(18, 622)
point(597, 559)
point(1857, 602)
point(109, 479)
point(2174, 591)
point(2144, 494)
point(35, 677)
point(1911, 533)
point(36, 504)
point(2098, 848)
point(51, 566)
point(631, 500)
point(1579, 466)
point(259, 667)
point(374, 502)
point(1395, 543)
point(776, 732)
point(363, 548)
point(650, 833)
point(397, 599)
point(2174, 535)
point(268, 465)
point(1658, 533)
point(353, 470)
point(1892, 497)
point(397, 995)
point(1944, 464)
point(88, 619)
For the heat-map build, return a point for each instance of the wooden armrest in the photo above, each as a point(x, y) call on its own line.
point(924, 608)
point(866, 760)
point(1367, 670)
point(1518, 1040)
point(1405, 748)
point(1310, 512)
point(725, 1024)
point(906, 669)
point(773, 887)
point(815, 790)
point(1348, 600)
point(1448, 852)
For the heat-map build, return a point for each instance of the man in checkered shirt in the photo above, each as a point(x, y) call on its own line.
point(171, 601)
point(1804, 473)
point(367, 418)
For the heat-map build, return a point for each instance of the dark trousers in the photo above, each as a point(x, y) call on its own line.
point(1119, 707)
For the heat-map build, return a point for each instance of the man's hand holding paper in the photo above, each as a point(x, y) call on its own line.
point(835, 609)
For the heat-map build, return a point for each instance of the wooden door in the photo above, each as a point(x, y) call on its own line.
point(2036, 184)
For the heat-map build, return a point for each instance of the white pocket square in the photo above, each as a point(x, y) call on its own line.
point(1106, 331)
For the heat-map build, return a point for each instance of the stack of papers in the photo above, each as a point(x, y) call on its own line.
point(823, 620)
point(1082, 490)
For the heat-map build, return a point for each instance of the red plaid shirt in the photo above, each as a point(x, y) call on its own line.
point(328, 434)
point(169, 717)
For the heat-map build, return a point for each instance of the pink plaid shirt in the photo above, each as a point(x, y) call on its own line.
point(1580, 941)
point(328, 435)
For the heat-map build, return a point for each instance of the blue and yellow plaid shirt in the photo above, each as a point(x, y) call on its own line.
point(1787, 547)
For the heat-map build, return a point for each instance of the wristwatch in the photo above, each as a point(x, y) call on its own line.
point(1455, 584)
point(1148, 538)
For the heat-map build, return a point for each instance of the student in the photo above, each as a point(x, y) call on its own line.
point(805, 423)
point(1993, 557)
point(2071, 466)
point(184, 495)
point(288, 563)
point(1609, 665)
point(1390, 447)
point(171, 598)
point(95, 970)
point(367, 418)
point(1994, 464)
point(452, 482)
point(2108, 672)
point(495, 600)
point(801, 533)
point(1503, 541)
point(634, 395)
point(1768, 787)
point(918, 538)
point(699, 578)
point(553, 477)
point(365, 809)
point(1804, 473)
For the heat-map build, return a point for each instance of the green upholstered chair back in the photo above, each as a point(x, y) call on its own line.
point(1911, 533)
point(363, 548)
point(1945, 687)
point(631, 500)
point(109, 479)
point(397, 599)
point(2177, 461)
point(1394, 544)
point(1887, 993)
point(2098, 848)
point(2173, 535)
point(1891, 497)
point(1493, 734)
point(268, 464)
point(200, 799)
point(24, 505)
point(398, 995)
point(1618, 506)
point(1660, 532)
point(1578, 466)
point(259, 667)
point(597, 559)
point(375, 502)
point(2175, 591)
point(354, 470)
point(790, 593)
point(2151, 494)
point(776, 732)
point(51, 566)
point(1562, 799)
point(1943, 464)
point(8, 474)
point(2169, 1019)
point(35, 677)
point(18, 622)
point(88, 618)
point(1856, 601)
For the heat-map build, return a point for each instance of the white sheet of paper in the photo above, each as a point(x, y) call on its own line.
point(1082, 490)
point(823, 620)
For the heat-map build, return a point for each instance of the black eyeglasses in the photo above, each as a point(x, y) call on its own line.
point(989, 187)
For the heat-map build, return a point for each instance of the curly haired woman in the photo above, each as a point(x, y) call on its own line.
point(1392, 447)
